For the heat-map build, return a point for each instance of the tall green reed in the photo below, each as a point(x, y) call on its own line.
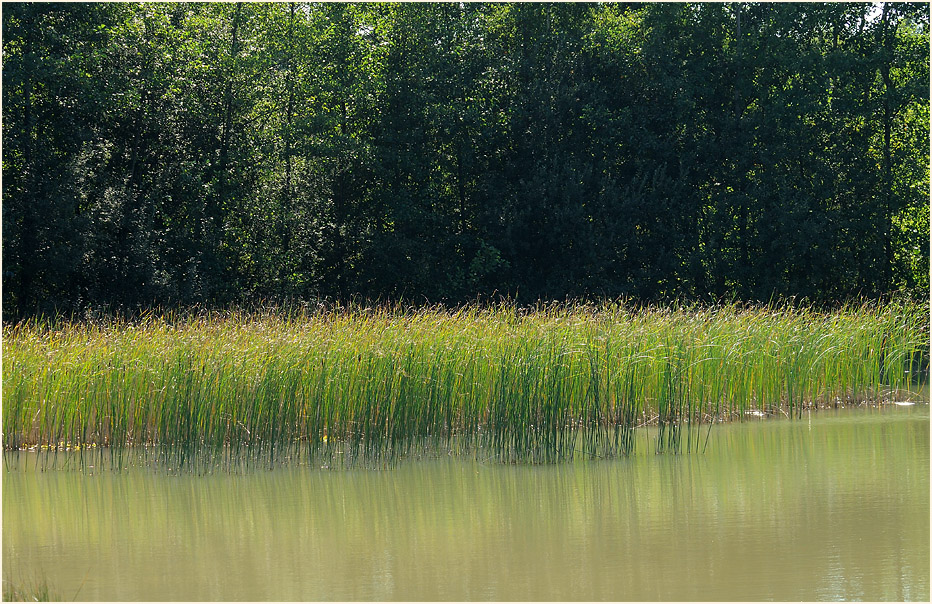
point(355, 384)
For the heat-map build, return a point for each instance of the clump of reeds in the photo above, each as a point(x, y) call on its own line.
point(37, 591)
point(356, 383)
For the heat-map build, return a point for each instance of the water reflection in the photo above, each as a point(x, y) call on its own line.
point(835, 508)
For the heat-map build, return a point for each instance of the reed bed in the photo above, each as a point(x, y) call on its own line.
point(346, 384)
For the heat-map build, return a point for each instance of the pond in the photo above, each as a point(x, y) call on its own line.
point(834, 506)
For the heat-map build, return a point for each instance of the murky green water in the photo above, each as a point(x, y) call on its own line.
point(836, 508)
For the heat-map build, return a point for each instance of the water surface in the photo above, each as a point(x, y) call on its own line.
point(835, 507)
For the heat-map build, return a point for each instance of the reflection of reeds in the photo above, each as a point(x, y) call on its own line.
point(357, 383)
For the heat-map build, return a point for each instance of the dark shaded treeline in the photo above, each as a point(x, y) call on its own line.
point(226, 153)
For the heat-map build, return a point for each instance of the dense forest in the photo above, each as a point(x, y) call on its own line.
point(217, 154)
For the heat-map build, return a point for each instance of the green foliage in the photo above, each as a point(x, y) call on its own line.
point(178, 154)
point(349, 384)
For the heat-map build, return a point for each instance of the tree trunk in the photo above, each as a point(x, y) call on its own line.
point(287, 206)
point(227, 121)
point(886, 29)
point(28, 239)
